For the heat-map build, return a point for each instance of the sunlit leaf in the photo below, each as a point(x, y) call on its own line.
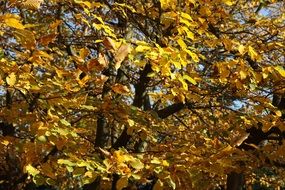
point(241, 49)
point(137, 164)
point(228, 2)
point(32, 170)
point(252, 53)
point(11, 79)
point(66, 162)
point(280, 70)
point(5, 142)
point(13, 22)
point(243, 74)
point(190, 79)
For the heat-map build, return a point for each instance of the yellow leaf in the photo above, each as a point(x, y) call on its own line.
point(142, 48)
point(228, 2)
point(165, 163)
point(190, 79)
point(42, 138)
point(182, 43)
point(187, 23)
point(242, 74)
point(194, 56)
point(184, 84)
point(83, 3)
point(177, 64)
point(11, 79)
point(32, 170)
point(280, 70)
point(241, 49)
point(170, 182)
point(131, 122)
point(252, 53)
point(186, 30)
point(123, 5)
point(122, 183)
point(5, 142)
point(66, 162)
point(228, 44)
point(186, 16)
point(278, 113)
point(155, 160)
point(189, 34)
point(166, 4)
point(64, 122)
point(13, 22)
point(137, 164)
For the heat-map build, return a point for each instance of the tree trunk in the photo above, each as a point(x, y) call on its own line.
point(235, 181)
point(102, 132)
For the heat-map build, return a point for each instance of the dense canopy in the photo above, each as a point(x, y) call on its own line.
point(142, 94)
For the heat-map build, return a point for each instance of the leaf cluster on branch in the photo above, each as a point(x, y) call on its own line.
point(161, 94)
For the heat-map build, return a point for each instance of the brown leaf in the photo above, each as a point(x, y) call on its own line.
point(84, 52)
point(45, 40)
point(241, 140)
point(55, 24)
point(121, 54)
point(32, 4)
point(122, 183)
point(98, 64)
point(120, 89)
point(109, 43)
point(26, 38)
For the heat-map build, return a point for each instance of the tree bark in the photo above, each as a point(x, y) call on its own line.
point(235, 181)
point(101, 132)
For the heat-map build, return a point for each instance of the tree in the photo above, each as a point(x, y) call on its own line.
point(140, 94)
